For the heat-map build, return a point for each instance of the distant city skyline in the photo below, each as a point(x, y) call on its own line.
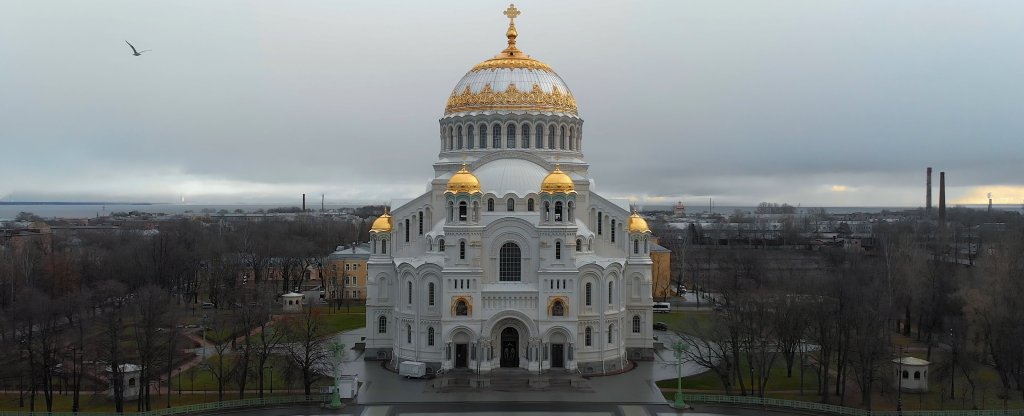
point(818, 103)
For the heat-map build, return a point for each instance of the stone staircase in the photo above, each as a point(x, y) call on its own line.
point(510, 380)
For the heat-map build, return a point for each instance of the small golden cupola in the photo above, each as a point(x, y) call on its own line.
point(463, 181)
point(382, 224)
point(637, 224)
point(557, 182)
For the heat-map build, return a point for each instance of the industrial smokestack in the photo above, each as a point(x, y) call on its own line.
point(942, 198)
point(989, 202)
point(928, 200)
point(303, 202)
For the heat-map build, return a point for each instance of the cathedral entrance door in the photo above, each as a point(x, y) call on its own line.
point(461, 355)
point(509, 347)
point(557, 355)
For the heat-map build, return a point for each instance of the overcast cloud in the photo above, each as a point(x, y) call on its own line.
point(814, 102)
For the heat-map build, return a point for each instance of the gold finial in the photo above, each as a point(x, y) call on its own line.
point(511, 12)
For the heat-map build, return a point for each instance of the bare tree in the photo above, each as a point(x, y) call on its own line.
point(306, 338)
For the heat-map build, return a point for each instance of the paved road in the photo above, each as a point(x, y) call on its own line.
point(637, 386)
point(510, 409)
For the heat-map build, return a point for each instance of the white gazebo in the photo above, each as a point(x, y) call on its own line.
point(129, 375)
point(292, 302)
point(911, 374)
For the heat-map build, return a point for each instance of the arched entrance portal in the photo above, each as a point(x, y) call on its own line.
point(509, 347)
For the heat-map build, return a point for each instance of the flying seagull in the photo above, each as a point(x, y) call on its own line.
point(136, 52)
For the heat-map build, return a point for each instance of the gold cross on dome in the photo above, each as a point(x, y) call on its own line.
point(512, 12)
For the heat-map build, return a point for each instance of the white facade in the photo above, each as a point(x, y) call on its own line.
point(510, 276)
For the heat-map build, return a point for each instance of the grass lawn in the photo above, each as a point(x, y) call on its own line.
point(777, 380)
point(90, 402)
point(199, 379)
point(338, 322)
point(686, 321)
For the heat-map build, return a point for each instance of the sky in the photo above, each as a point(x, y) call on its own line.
point(811, 102)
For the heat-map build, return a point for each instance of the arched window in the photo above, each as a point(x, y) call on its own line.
point(451, 211)
point(526, 137)
point(600, 223)
point(490, 204)
point(551, 137)
point(496, 133)
point(382, 325)
point(383, 246)
point(470, 139)
point(558, 210)
point(572, 137)
point(462, 250)
point(558, 250)
point(483, 136)
point(547, 210)
point(571, 208)
point(529, 204)
point(558, 309)
point(588, 292)
point(636, 246)
point(579, 244)
point(510, 205)
point(440, 245)
point(636, 324)
point(458, 136)
point(906, 374)
point(409, 293)
point(539, 139)
point(917, 375)
point(561, 138)
point(408, 334)
point(131, 382)
point(611, 333)
point(462, 211)
point(611, 290)
point(510, 263)
point(588, 336)
point(510, 136)
point(430, 336)
point(406, 230)
point(461, 308)
point(645, 245)
point(613, 231)
point(420, 219)
point(451, 139)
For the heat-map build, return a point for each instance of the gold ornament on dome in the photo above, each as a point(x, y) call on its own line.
point(515, 62)
point(638, 224)
point(511, 99)
point(557, 182)
point(382, 224)
point(463, 181)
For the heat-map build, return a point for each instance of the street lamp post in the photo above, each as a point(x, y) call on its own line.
point(899, 384)
point(751, 379)
point(680, 351)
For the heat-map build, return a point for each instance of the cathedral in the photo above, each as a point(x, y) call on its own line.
point(510, 259)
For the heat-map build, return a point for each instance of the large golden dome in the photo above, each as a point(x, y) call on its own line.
point(511, 81)
point(382, 224)
point(557, 182)
point(638, 224)
point(463, 181)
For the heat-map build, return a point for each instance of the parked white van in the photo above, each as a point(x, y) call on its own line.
point(663, 307)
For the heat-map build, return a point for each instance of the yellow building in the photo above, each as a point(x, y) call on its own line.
point(345, 275)
point(661, 273)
